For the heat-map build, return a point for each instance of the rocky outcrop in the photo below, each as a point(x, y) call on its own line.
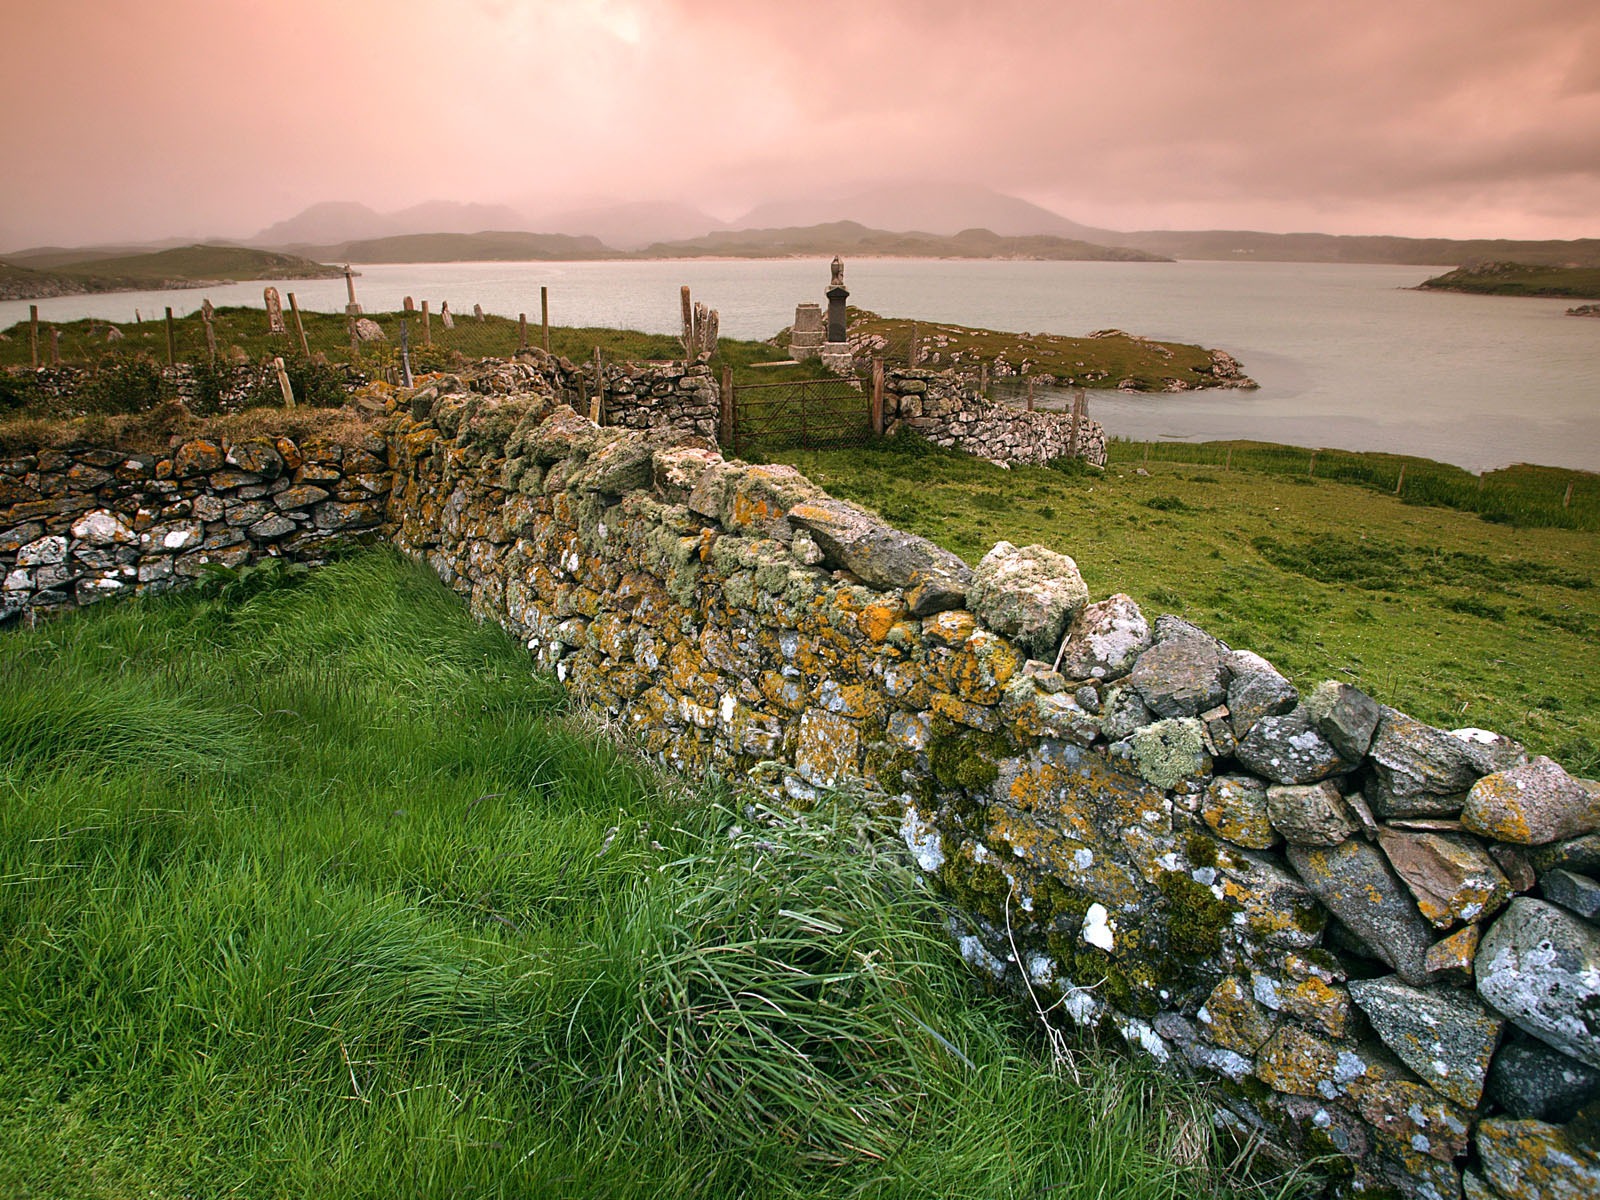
point(946, 408)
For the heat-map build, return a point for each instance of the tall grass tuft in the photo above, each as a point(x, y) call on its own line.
point(312, 890)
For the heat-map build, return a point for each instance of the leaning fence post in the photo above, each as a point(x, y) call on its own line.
point(544, 316)
point(1401, 482)
point(33, 333)
point(283, 382)
point(1566, 500)
point(299, 329)
point(172, 340)
point(405, 352)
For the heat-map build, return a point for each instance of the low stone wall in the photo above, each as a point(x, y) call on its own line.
point(946, 408)
point(1377, 938)
point(79, 525)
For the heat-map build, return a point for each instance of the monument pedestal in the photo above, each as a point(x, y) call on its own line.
point(836, 357)
point(805, 339)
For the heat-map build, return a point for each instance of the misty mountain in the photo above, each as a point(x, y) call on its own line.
point(634, 225)
point(334, 221)
point(938, 208)
point(488, 246)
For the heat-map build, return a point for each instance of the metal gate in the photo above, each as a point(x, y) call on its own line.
point(807, 414)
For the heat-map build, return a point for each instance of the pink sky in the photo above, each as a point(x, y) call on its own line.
point(1460, 118)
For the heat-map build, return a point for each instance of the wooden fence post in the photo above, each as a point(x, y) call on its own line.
point(172, 340)
point(877, 395)
point(427, 326)
point(597, 407)
point(33, 333)
point(1566, 500)
point(726, 433)
point(1030, 393)
point(1312, 469)
point(1227, 463)
point(211, 338)
point(983, 378)
point(688, 324)
point(299, 329)
point(544, 316)
point(283, 382)
point(55, 361)
point(522, 332)
point(1078, 403)
point(1401, 482)
point(911, 354)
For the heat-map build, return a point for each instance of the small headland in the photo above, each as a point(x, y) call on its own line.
point(1520, 279)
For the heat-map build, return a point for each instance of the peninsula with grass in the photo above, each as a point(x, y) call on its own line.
point(180, 267)
point(1519, 279)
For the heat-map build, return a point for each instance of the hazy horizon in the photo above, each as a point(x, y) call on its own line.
point(192, 120)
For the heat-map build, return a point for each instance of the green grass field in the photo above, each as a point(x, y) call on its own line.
point(316, 891)
point(1456, 619)
point(1520, 279)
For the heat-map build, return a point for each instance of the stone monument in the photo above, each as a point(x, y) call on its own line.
point(805, 339)
point(836, 350)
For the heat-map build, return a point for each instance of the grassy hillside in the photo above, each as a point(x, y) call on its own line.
point(184, 266)
point(472, 247)
point(1520, 279)
point(851, 238)
point(311, 891)
point(1454, 619)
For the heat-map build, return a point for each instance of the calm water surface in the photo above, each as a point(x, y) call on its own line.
point(1345, 355)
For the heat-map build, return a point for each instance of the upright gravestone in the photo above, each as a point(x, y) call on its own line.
point(836, 350)
point(477, 311)
point(411, 305)
point(805, 339)
point(274, 311)
point(445, 318)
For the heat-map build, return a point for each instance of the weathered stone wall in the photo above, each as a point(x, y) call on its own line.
point(946, 407)
point(1376, 937)
point(79, 525)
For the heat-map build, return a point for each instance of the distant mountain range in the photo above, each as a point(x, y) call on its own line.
point(936, 219)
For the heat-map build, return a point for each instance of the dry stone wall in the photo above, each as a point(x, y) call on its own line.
point(1377, 938)
point(946, 408)
point(80, 525)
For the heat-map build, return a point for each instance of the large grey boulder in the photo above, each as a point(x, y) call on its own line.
point(1183, 674)
point(1540, 966)
point(933, 578)
point(1418, 771)
point(1105, 639)
point(1289, 750)
point(1447, 1037)
point(1030, 594)
point(1531, 805)
point(1355, 882)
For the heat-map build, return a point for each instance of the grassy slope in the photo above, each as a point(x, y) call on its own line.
point(1080, 361)
point(311, 893)
point(163, 268)
point(1454, 619)
point(1520, 279)
point(475, 247)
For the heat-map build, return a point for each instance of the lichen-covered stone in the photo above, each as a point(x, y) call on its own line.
point(259, 456)
point(1123, 712)
point(1450, 959)
point(1446, 1037)
point(1532, 1081)
point(1105, 639)
point(1490, 751)
point(1170, 751)
point(1029, 594)
point(1236, 807)
point(1356, 883)
point(1310, 814)
point(1530, 1160)
point(1347, 717)
point(1233, 1019)
point(1578, 894)
point(1288, 750)
point(882, 556)
point(1540, 966)
point(1531, 805)
point(1418, 771)
point(1451, 875)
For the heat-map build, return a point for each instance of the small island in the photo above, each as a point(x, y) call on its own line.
point(181, 267)
point(1520, 279)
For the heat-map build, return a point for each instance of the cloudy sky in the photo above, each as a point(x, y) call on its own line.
point(1455, 118)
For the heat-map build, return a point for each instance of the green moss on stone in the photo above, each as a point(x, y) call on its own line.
point(1195, 917)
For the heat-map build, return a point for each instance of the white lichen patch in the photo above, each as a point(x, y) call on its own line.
point(922, 839)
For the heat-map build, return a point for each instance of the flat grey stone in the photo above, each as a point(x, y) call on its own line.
point(1576, 893)
point(1310, 814)
point(1256, 689)
point(1530, 1080)
point(1356, 883)
point(1122, 713)
point(1450, 874)
point(1418, 771)
point(1447, 1037)
point(1181, 676)
point(1288, 750)
point(1346, 716)
point(1540, 966)
point(852, 538)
